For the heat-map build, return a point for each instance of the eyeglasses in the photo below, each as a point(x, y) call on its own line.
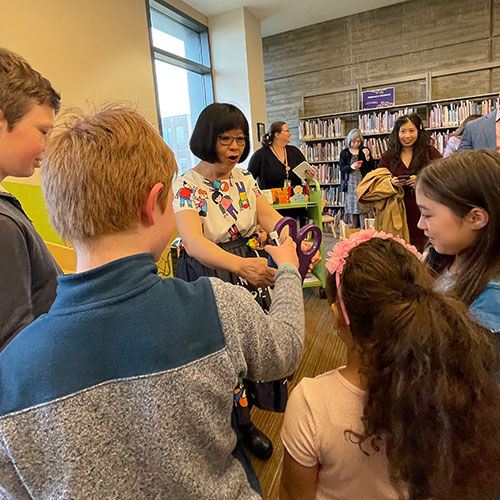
point(227, 140)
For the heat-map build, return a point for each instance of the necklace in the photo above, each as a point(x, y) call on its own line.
point(284, 160)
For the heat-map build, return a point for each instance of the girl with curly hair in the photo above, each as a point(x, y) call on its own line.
point(414, 413)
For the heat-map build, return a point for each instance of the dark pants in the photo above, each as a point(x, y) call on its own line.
point(189, 269)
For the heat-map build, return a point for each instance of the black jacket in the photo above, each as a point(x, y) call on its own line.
point(345, 163)
point(269, 172)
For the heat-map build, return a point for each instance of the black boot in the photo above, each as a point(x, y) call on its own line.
point(257, 443)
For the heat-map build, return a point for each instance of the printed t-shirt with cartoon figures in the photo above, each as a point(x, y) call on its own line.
point(227, 207)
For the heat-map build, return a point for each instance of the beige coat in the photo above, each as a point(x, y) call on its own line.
point(377, 189)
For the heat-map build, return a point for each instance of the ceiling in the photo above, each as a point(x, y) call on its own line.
point(284, 15)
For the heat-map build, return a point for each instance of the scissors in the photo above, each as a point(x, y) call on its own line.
point(305, 256)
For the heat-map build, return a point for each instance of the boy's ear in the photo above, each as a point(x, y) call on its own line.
point(3, 122)
point(149, 206)
point(478, 218)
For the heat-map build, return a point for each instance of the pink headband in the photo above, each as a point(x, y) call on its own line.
point(337, 257)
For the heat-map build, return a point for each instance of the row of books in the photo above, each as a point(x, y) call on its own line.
point(330, 151)
point(440, 139)
point(452, 115)
point(334, 128)
point(327, 173)
point(322, 151)
point(332, 195)
point(322, 129)
point(381, 121)
point(377, 146)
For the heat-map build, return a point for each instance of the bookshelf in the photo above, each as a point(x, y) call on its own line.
point(316, 278)
point(323, 136)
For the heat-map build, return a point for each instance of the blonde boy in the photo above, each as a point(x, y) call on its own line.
point(28, 272)
point(125, 388)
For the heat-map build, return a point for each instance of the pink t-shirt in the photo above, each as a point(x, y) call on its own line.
point(318, 413)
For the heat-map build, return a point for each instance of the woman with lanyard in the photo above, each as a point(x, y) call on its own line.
point(272, 165)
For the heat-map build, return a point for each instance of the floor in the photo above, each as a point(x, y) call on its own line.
point(323, 351)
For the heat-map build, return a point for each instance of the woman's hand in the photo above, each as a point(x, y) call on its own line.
point(411, 180)
point(316, 257)
point(310, 173)
point(356, 165)
point(367, 153)
point(257, 272)
point(398, 183)
point(285, 253)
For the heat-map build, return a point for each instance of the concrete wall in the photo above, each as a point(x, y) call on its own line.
point(229, 58)
point(257, 90)
point(237, 65)
point(395, 41)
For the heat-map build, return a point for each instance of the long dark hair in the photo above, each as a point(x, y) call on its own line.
point(460, 182)
point(420, 148)
point(431, 387)
point(268, 137)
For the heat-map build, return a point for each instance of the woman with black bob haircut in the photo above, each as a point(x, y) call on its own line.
point(409, 150)
point(217, 208)
point(214, 120)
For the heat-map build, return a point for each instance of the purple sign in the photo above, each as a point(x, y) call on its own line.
point(381, 98)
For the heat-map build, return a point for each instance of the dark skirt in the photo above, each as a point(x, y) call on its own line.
point(189, 269)
point(270, 396)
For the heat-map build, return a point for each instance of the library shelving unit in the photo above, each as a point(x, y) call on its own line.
point(323, 136)
point(318, 277)
point(429, 94)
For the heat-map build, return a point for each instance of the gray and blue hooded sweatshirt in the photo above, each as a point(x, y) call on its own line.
point(124, 389)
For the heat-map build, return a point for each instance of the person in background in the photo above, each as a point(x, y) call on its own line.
point(409, 151)
point(459, 201)
point(272, 164)
point(456, 137)
point(124, 389)
point(28, 272)
point(355, 162)
point(483, 133)
point(414, 413)
point(261, 236)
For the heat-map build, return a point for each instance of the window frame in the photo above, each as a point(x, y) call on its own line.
point(203, 70)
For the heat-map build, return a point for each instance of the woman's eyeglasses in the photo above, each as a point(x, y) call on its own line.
point(227, 140)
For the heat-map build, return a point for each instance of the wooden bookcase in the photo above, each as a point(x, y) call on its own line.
point(323, 135)
point(440, 118)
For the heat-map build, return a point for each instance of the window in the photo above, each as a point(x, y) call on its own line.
point(183, 76)
point(167, 135)
point(179, 133)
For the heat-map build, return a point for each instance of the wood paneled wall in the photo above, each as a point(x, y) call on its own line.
point(390, 42)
